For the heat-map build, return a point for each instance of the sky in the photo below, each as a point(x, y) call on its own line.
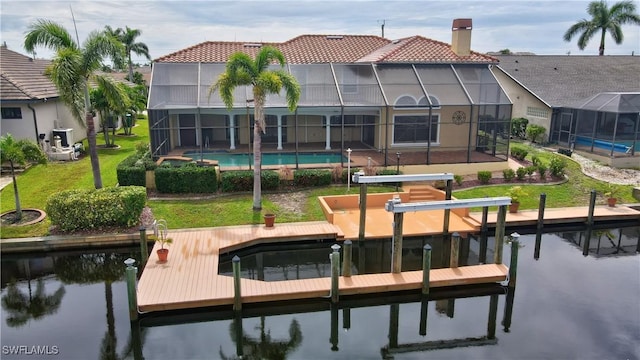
point(169, 26)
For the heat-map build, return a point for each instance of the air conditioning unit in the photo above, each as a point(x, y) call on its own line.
point(66, 136)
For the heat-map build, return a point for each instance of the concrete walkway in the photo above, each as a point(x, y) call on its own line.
point(5, 181)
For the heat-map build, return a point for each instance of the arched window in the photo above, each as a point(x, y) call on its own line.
point(423, 103)
point(405, 101)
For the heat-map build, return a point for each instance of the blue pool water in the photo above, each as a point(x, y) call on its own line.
point(226, 159)
point(622, 147)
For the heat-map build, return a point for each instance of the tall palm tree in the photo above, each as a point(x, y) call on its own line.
point(128, 38)
point(109, 98)
point(242, 70)
point(19, 153)
point(603, 19)
point(70, 71)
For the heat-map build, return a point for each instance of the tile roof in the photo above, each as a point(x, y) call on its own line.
point(562, 80)
point(418, 49)
point(309, 49)
point(22, 78)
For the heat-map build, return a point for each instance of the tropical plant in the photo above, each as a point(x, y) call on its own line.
point(516, 193)
point(535, 132)
point(127, 37)
point(109, 99)
point(72, 67)
point(603, 19)
point(19, 153)
point(242, 70)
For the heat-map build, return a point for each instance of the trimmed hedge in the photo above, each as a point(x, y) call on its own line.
point(519, 153)
point(74, 210)
point(484, 176)
point(129, 173)
point(189, 178)
point(306, 178)
point(242, 180)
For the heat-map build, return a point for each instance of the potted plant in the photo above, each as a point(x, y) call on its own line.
point(160, 236)
point(515, 193)
point(611, 191)
point(269, 220)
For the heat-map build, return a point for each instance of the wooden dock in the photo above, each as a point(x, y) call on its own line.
point(190, 278)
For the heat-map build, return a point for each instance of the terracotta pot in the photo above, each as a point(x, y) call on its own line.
point(269, 220)
point(513, 207)
point(163, 254)
point(612, 201)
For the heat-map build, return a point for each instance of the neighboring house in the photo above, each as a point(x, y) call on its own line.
point(561, 93)
point(30, 104)
point(431, 101)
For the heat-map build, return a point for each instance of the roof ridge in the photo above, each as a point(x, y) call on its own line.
point(396, 49)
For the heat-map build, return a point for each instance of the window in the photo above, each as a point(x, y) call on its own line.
point(537, 112)
point(11, 113)
point(407, 101)
point(414, 129)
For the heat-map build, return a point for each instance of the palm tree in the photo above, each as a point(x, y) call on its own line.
point(70, 71)
point(264, 347)
point(109, 98)
point(19, 153)
point(128, 38)
point(242, 70)
point(604, 19)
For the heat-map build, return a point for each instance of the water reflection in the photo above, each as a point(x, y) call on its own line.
point(605, 242)
point(22, 307)
point(263, 346)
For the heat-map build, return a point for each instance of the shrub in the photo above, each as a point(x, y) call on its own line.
point(189, 178)
point(518, 127)
point(519, 153)
point(344, 177)
point(557, 166)
point(74, 210)
point(458, 179)
point(521, 172)
point(535, 160)
point(337, 173)
point(129, 172)
point(484, 176)
point(508, 174)
point(312, 177)
point(535, 132)
point(542, 171)
point(389, 172)
point(242, 180)
point(530, 170)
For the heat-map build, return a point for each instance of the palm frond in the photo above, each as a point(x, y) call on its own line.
point(64, 73)
point(96, 47)
point(48, 34)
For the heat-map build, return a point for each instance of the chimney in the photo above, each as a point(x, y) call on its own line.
point(461, 37)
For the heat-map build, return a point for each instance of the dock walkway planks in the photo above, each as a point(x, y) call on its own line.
point(190, 278)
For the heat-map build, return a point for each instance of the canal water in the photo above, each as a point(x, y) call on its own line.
point(565, 306)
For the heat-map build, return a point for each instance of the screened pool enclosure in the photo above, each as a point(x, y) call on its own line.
point(431, 113)
point(607, 124)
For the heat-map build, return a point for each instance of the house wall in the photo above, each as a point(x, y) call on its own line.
point(522, 100)
point(52, 114)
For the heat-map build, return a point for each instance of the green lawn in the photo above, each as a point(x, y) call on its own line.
point(38, 182)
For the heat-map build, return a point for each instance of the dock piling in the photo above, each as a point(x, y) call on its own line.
point(513, 265)
point(335, 272)
point(396, 256)
point(426, 268)
point(500, 229)
point(143, 246)
point(237, 296)
point(346, 259)
point(131, 272)
point(587, 240)
point(363, 211)
point(455, 250)
point(424, 310)
point(334, 328)
point(484, 229)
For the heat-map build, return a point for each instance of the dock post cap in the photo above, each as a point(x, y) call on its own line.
point(335, 247)
point(236, 259)
point(515, 236)
point(129, 262)
point(427, 247)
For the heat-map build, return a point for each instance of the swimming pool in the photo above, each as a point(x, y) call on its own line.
point(623, 147)
point(227, 159)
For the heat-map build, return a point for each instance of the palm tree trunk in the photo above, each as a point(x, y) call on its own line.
point(130, 66)
point(91, 139)
point(15, 192)
point(601, 49)
point(258, 127)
